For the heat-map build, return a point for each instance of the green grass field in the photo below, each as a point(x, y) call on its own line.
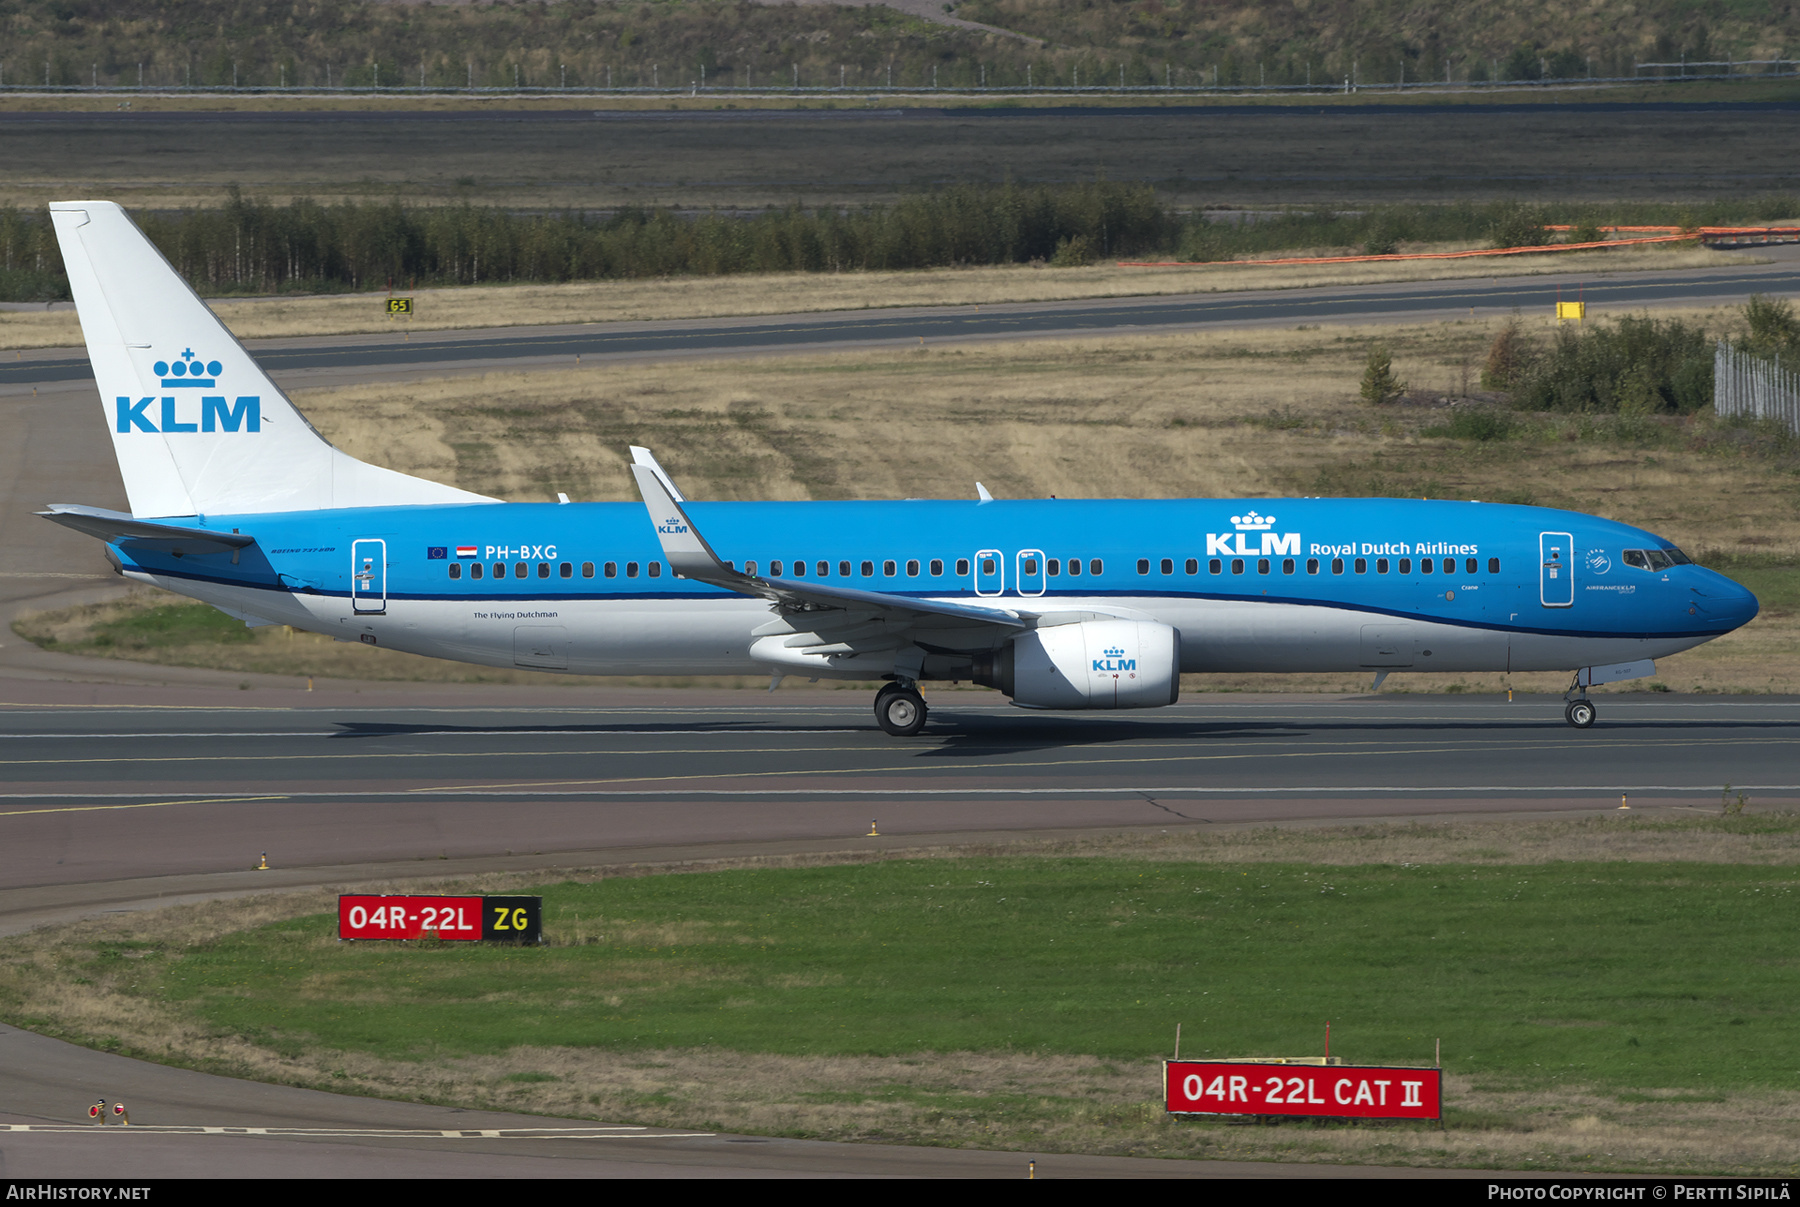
point(1625, 976)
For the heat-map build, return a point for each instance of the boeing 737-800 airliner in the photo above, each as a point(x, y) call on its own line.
point(1060, 604)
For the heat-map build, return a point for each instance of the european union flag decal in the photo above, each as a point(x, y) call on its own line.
point(435, 553)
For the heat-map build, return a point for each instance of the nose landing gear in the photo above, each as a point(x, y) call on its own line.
point(1579, 711)
point(900, 710)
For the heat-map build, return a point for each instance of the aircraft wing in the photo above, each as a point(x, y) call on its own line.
point(112, 526)
point(690, 556)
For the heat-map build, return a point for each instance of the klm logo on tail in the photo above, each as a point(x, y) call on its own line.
point(185, 413)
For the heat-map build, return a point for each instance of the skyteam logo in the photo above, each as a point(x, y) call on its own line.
point(184, 412)
point(1114, 659)
point(1268, 543)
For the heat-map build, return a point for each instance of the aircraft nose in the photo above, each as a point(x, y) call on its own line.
point(1729, 602)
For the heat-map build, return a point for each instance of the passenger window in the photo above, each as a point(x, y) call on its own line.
point(887, 569)
point(1214, 566)
point(1493, 565)
point(1337, 565)
point(987, 565)
point(800, 569)
point(868, 569)
point(499, 569)
point(774, 569)
point(1054, 566)
point(543, 569)
point(612, 569)
point(1031, 565)
point(1381, 565)
point(1312, 565)
point(566, 569)
point(474, 569)
point(587, 569)
point(937, 568)
point(1262, 565)
point(1287, 565)
point(1362, 565)
point(1406, 565)
point(1470, 566)
point(912, 567)
point(962, 567)
point(1143, 565)
point(455, 569)
point(1096, 566)
point(1425, 566)
point(750, 569)
point(1075, 565)
point(824, 569)
point(843, 570)
point(1237, 565)
point(1192, 566)
point(1168, 566)
point(1449, 565)
point(520, 569)
point(655, 569)
point(631, 569)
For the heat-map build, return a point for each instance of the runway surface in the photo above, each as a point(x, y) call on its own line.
point(97, 794)
point(533, 346)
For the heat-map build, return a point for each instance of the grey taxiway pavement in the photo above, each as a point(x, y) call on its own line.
point(528, 346)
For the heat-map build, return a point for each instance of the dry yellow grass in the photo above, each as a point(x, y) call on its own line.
point(796, 293)
point(997, 1100)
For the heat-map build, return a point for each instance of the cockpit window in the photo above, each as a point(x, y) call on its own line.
point(1658, 559)
point(1635, 557)
point(1677, 556)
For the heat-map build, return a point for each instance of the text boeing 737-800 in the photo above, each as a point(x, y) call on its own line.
point(237, 501)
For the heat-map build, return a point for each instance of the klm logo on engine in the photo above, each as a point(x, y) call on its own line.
point(1256, 528)
point(173, 413)
point(1114, 659)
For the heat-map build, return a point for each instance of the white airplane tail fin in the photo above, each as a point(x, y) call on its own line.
point(197, 426)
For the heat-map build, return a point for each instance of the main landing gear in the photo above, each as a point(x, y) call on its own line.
point(900, 709)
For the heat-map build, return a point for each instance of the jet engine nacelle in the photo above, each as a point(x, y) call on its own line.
point(1089, 664)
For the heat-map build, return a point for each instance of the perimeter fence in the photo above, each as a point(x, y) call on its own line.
point(1749, 386)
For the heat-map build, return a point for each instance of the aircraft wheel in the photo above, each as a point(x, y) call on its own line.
point(900, 711)
point(1579, 713)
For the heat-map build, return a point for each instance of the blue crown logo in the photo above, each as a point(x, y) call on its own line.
point(1116, 652)
point(188, 371)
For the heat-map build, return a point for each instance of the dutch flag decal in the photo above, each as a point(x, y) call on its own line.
point(466, 550)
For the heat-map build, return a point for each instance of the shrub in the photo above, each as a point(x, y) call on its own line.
point(1518, 226)
point(1507, 357)
point(1379, 385)
point(1774, 330)
point(1635, 366)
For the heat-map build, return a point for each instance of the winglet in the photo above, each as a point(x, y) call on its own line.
point(687, 552)
point(982, 495)
point(641, 456)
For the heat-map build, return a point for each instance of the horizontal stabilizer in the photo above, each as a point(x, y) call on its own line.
point(112, 526)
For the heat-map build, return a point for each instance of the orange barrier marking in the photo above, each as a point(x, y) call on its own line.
point(1677, 236)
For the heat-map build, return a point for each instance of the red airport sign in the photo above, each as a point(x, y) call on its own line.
point(1229, 1087)
point(466, 919)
